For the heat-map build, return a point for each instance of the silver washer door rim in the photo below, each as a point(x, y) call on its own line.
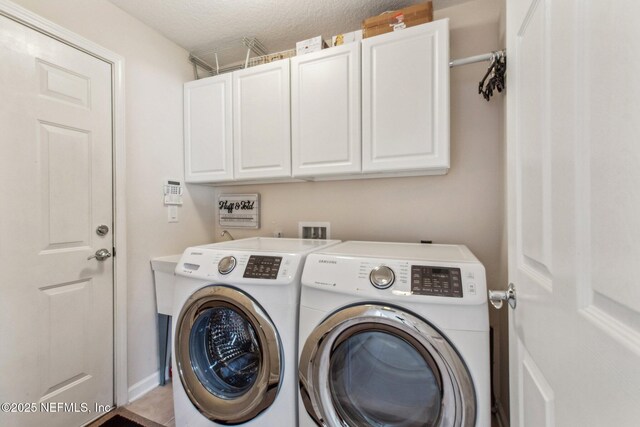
point(458, 408)
point(265, 389)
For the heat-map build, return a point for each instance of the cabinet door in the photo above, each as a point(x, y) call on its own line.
point(405, 99)
point(325, 111)
point(208, 134)
point(261, 121)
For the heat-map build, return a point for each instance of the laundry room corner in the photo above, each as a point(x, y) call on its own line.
point(464, 206)
point(155, 70)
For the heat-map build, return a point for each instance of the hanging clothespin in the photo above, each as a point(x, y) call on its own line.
point(481, 85)
point(497, 69)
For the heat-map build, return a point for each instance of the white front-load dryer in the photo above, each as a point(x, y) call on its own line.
point(394, 334)
point(235, 332)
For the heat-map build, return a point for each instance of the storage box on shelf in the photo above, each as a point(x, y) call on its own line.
point(344, 38)
point(395, 20)
point(366, 109)
point(314, 44)
point(271, 57)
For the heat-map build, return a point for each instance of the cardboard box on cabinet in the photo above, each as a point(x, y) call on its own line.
point(398, 19)
point(314, 44)
point(344, 38)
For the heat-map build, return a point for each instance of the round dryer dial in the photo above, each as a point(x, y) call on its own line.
point(226, 265)
point(382, 277)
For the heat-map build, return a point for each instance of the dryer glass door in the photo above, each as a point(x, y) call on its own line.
point(371, 365)
point(378, 378)
point(228, 354)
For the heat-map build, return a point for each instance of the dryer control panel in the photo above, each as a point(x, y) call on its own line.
point(436, 281)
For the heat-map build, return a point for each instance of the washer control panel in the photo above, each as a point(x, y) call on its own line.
point(239, 267)
point(262, 267)
point(436, 281)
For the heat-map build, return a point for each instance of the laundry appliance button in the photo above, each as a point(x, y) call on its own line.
point(226, 265)
point(382, 277)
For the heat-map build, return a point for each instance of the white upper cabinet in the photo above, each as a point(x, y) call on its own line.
point(208, 135)
point(261, 121)
point(369, 109)
point(405, 100)
point(325, 112)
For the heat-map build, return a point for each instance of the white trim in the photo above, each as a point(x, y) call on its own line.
point(144, 386)
point(30, 19)
point(120, 221)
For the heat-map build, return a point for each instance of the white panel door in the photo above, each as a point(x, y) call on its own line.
point(262, 121)
point(56, 307)
point(208, 130)
point(405, 99)
point(325, 112)
point(573, 204)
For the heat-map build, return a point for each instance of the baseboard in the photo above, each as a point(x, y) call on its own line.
point(501, 415)
point(143, 387)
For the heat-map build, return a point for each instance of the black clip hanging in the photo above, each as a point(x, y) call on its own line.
point(497, 70)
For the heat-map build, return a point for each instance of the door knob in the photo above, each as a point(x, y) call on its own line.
point(497, 298)
point(101, 254)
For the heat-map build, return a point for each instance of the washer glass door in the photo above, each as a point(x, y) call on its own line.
point(225, 353)
point(228, 354)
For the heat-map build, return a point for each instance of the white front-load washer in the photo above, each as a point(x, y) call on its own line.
point(235, 332)
point(394, 334)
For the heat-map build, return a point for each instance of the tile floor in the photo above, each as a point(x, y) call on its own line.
point(157, 405)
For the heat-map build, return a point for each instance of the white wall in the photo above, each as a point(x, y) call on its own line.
point(465, 206)
point(155, 69)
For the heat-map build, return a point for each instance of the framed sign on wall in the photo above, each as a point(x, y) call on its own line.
point(239, 210)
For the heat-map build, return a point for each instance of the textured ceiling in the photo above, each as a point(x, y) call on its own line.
point(205, 26)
